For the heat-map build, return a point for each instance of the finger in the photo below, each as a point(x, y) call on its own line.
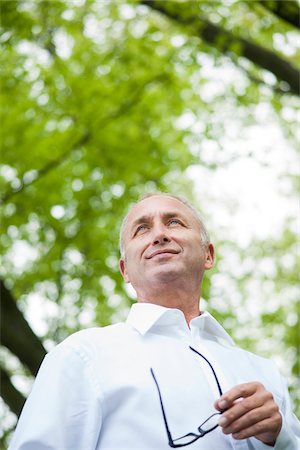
point(262, 404)
point(238, 392)
point(263, 428)
point(231, 425)
point(264, 423)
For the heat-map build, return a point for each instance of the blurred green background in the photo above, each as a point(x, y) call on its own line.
point(102, 101)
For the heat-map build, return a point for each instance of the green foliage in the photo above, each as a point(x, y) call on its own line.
point(95, 128)
point(92, 99)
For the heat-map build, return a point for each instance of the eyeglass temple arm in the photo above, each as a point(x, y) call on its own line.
point(163, 410)
point(213, 370)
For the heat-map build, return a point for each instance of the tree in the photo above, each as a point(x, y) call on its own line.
point(290, 12)
point(96, 101)
point(190, 15)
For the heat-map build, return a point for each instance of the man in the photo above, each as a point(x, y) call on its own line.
point(168, 377)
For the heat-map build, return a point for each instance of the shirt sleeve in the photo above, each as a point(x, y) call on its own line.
point(63, 410)
point(289, 436)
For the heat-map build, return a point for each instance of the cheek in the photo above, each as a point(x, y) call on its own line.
point(133, 256)
point(194, 243)
point(195, 249)
point(137, 248)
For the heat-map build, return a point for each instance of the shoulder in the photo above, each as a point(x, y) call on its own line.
point(257, 361)
point(92, 342)
point(95, 336)
point(95, 333)
point(258, 368)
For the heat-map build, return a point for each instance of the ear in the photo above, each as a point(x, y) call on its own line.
point(123, 270)
point(209, 257)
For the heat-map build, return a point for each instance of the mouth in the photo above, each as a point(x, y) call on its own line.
point(162, 252)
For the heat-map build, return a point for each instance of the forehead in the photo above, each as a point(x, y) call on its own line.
point(158, 205)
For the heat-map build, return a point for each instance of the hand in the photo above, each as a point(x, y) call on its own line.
point(250, 410)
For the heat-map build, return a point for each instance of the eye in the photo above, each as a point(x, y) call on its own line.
point(174, 222)
point(140, 229)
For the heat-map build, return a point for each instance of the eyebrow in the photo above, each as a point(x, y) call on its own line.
point(148, 218)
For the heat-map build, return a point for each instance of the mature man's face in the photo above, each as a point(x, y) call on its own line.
point(162, 243)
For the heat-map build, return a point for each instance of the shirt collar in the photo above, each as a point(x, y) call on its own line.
point(146, 316)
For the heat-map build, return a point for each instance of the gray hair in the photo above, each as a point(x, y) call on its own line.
point(203, 231)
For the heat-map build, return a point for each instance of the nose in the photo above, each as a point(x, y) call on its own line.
point(160, 235)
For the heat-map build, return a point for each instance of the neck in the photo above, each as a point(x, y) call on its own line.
point(185, 300)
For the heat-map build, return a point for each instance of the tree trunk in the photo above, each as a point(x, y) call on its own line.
point(17, 335)
point(12, 397)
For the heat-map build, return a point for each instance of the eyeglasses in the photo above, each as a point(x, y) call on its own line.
point(210, 424)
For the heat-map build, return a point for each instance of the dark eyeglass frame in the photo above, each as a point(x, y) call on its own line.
point(194, 437)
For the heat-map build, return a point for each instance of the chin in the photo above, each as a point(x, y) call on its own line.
point(165, 273)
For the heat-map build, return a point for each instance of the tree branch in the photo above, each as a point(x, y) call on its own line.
point(46, 169)
point(119, 111)
point(12, 397)
point(230, 44)
point(289, 11)
point(16, 333)
point(259, 81)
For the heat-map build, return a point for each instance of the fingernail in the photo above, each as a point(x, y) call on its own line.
point(222, 404)
point(223, 421)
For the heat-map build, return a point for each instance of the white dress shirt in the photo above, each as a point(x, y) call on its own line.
point(95, 391)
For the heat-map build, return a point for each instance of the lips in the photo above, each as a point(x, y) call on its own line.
point(162, 251)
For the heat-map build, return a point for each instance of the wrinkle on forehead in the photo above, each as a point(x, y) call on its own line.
point(163, 211)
